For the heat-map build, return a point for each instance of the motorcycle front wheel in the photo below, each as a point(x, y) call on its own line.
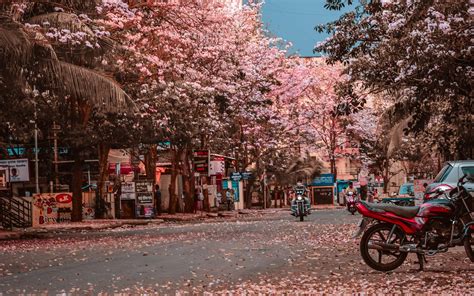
point(377, 257)
point(301, 212)
point(469, 245)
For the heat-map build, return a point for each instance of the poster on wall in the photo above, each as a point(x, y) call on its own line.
point(51, 208)
point(17, 170)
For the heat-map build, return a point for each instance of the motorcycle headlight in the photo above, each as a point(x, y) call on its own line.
point(299, 197)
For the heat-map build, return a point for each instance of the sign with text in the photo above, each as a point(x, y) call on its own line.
point(235, 176)
point(217, 167)
point(17, 170)
point(128, 187)
point(145, 197)
point(323, 180)
point(52, 208)
point(201, 162)
point(246, 175)
point(323, 195)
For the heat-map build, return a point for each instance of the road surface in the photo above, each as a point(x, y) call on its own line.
point(276, 254)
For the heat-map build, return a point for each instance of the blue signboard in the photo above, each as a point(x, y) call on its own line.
point(323, 180)
point(235, 177)
point(246, 175)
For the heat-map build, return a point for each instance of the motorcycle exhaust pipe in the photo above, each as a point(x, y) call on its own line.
point(393, 247)
point(383, 246)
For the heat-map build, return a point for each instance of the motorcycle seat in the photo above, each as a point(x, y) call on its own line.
point(405, 212)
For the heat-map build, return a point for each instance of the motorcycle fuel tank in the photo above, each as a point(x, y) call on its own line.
point(436, 208)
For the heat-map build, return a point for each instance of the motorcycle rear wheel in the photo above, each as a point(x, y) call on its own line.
point(379, 232)
point(469, 245)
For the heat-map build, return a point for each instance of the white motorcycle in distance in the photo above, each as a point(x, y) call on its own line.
point(300, 205)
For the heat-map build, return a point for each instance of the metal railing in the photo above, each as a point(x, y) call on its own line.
point(15, 212)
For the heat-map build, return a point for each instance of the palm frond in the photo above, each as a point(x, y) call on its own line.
point(99, 91)
point(16, 49)
point(77, 5)
point(62, 20)
point(307, 166)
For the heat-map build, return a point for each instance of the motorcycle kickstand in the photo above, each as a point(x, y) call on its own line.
point(421, 261)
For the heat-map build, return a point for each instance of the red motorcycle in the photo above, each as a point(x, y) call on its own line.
point(428, 229)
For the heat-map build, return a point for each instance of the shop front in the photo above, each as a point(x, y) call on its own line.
point(136, 200)
point(322, 190)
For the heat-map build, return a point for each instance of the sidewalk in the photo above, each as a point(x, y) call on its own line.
point(7, 235)
point(49, 230)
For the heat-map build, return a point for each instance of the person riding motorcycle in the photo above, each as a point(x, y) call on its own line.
point(299, 189)
point(350, 189)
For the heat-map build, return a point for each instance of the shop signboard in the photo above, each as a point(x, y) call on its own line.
point(217, 166)
point(323, 180)
point(236, 176)
point(201, 162)
point(143, 186)
point(128, 191)
point(323, 195)
point(17, 170)
point(246, 175)
point(128, 187)
point(144, 198)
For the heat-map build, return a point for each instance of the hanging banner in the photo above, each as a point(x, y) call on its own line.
point(17, 170)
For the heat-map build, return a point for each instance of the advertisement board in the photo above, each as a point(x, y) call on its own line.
point(216, 167)
point(323, 195)
point(144, 198)
point(201, 162)
point(52, 208)
point(17, 170)
point(323, 180)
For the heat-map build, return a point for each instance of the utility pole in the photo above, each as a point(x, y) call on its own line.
point(36, 154)
point(264, 189)
point(56, 170)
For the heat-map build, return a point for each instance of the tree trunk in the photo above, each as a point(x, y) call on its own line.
point(172, 187)
point(206, 203)
point(248, 193)
point(76, 215)
point(386, 179)
point(151, 157)
point(103, 153)
point(188, 182)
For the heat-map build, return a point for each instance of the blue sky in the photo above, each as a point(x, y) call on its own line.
point(294, 21)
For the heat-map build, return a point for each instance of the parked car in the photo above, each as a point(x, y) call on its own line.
point(406, 190)
point(449, 175)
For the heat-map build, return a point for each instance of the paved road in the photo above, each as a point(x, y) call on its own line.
point(263, 256)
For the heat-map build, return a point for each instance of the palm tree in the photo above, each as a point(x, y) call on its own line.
point(32, 62)
point(305, 167)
